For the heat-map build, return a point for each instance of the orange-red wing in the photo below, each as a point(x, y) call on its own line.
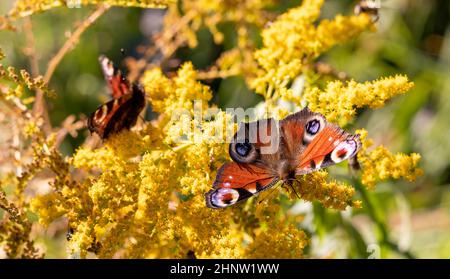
point(332, 145)
point(118, 86)
point(292, 129)
point(236, 182)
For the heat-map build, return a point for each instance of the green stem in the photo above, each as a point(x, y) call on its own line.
point(379, 222)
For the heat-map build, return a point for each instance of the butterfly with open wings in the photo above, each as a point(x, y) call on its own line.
point(304, 141)
point(123, 110)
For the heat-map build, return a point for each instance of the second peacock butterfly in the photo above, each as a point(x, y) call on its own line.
point(123, 110)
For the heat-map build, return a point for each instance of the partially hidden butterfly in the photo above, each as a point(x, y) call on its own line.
point(369, 7)
point(123, 110)
point(304, 142)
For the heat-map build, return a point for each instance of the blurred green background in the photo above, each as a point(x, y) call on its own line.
point(413, 38)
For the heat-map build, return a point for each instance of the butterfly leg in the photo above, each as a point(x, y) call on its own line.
point(289, 183)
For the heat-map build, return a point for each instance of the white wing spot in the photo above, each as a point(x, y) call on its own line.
point(318, 165)
point(221, 197)
point(103, 111)
point(109, 68)
point(252, 190)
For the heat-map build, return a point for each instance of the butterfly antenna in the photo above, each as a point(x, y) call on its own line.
point(125, 73)
point(292, 187)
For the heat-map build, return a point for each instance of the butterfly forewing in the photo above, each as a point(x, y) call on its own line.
point(330, 146)
point(117, 83)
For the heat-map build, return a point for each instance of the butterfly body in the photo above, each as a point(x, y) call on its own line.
point(266, 152)
point(123, 110)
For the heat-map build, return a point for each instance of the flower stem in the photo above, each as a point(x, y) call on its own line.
point(73, 40)
point(380, 224)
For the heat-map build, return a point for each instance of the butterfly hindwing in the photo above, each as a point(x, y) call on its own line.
point(237, 182)
point(260, 141)
point(117, 114)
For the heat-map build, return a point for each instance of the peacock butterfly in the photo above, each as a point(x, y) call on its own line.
point(369, 7)
point(123, 110)
point(304, 142)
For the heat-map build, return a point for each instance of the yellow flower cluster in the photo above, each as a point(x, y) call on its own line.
point(32, 152)
point(339, 101)
point(23, 80)
point(141, 194)
point(24, 8)
point(167, 95)
point(331, 194)
point(380, 164)
point(294, 40)
point(211, 13)
point(15, 232)
point(286, 241)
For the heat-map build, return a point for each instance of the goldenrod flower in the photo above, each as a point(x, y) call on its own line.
point(339, 101)
point(286, 241)
point(141, 194)
point(331, 194)
point(24, 8)
point(294, 40)
point(380, 164)
point(49, 208)
point(171, 95)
